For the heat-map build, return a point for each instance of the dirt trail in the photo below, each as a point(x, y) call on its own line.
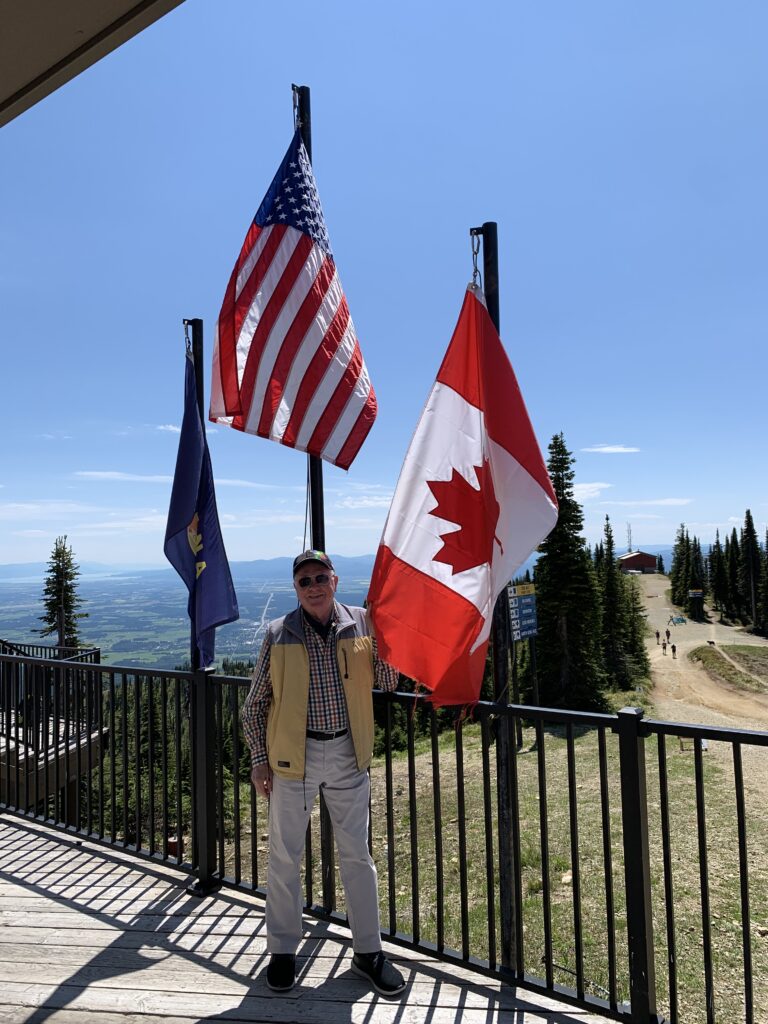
point(682, 690)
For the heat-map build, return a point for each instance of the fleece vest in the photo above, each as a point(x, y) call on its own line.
point(289, 672)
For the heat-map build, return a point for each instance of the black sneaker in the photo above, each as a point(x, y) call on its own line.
point(385, 978)
point(281, 972)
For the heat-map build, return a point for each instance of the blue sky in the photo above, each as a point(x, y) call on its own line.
point(620, 147)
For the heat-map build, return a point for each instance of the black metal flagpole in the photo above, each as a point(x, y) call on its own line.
point(203, 710)
point(316, 509)
point(317, 541)
point(505, 764)
point(197, 359)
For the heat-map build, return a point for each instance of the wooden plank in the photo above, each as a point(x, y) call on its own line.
point(342, 987)
point(118, 902)
point(21, 1015)
point(102, 939)
point(96, 875)
point(179, 976)
point(156, 924)
point(295, 1007)
point(121, 942)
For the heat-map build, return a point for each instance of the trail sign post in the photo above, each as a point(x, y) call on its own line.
point(522, 610)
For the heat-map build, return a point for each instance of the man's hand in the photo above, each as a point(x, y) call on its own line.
point(261, 778)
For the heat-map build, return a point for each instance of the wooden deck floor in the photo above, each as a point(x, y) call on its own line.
point(88, 935)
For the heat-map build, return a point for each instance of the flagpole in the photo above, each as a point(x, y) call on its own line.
point(509, 889)
point(316, 509)
point(317, 541)
point(204, 706)
point(197, 359)
point(489, 232)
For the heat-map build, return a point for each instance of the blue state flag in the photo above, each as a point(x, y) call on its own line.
point(193, 541)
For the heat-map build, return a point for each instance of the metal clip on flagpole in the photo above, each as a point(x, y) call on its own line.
point(475, 234)
point(509, 881)
point(203, 726)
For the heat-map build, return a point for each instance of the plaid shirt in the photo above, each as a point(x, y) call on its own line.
point(327, 707)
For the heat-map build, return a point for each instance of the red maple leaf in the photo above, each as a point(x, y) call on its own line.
point(475, 511)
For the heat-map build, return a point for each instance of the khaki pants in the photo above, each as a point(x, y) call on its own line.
point(332, 765)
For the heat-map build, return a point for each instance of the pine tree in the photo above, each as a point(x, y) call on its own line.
point(568, 601)
point(686, 574)
point(735, 597)
point(636, 652)
point(749, 565)
point(599, 558)
point(60, 598)
point(696, 576)
point(614, 656)
point(679, 571)
point(660, 565)
point(762, 602)
point(718, 581)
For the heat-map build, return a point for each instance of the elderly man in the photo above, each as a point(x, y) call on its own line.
point(308, 720)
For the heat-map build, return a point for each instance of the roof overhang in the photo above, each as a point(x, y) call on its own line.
point(45, 43)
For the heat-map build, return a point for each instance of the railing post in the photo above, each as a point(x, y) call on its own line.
point(637, 869)
point(204, 753)
point(504, 740)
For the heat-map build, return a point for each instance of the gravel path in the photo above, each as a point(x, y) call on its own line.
point(682, 690)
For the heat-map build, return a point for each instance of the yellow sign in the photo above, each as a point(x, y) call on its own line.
point(522, 590)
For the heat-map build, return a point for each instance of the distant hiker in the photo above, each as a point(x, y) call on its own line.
point(667, 636)
point(671, 620)
point(664, 647)
point(658, 634)
point(674, 651)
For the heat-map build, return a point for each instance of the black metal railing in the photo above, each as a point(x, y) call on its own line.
point(636, 846)
point(104, 751)
point(90, 655)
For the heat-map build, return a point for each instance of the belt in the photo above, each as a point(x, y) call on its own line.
point(313, 735)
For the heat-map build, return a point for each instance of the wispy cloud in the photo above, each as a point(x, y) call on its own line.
point(169, 428)
point(356, 523)
point(227, 482)
point(366, 501)
point(58, 436)
point(611, 449)
point(161, 478)
point(29, 533)
point(56, 510)
point(259, 518)
point(146, 522)
point(650, 501)
point(113, 474)
point(584, 492)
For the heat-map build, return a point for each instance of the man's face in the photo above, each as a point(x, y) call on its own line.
point(316, 598)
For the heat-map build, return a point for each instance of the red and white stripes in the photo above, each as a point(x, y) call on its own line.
point(287, 364)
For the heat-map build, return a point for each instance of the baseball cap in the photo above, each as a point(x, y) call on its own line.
point(311, 556)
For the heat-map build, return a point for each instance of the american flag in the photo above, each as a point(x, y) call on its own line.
point(287, 364)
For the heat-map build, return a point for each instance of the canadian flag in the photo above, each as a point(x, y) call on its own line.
point(473, 501)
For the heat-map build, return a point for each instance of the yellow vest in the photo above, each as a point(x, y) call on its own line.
point(289, 672)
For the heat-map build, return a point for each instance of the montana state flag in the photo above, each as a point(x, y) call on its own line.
point(193, 541)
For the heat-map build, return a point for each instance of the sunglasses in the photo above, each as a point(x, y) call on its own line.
point(306, 581)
